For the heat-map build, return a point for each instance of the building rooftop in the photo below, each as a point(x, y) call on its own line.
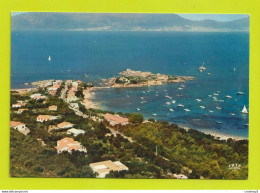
point(69, 143)
point(115, 118)
point(64, 124)
point(105, 167)
point(15, 123)
point(53, 107)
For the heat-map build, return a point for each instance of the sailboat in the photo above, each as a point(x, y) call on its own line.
point(49, 58)
point(244, 110)
point(201, 68)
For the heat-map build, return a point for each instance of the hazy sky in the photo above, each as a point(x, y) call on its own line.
point(217, 17)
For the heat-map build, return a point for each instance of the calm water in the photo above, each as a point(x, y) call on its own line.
point(104, 54)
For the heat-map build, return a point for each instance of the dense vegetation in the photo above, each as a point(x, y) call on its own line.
point(179, 151)
point(200, 154)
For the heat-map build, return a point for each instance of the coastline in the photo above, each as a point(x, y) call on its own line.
point(88, 96)
point(216, 135)
point(221, 136)
point(90, 104)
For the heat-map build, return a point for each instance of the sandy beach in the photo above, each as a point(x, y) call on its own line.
point(88, 95)
point(218, 135)
point(224, 136)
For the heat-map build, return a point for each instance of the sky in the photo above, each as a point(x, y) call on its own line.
point(217, 17)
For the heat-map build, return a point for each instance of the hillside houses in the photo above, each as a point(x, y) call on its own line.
point(105, 167)
point(20, 127)
point(68, 144)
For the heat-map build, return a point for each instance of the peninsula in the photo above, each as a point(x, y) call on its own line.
point(131, 78)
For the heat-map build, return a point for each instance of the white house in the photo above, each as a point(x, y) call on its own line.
point(42, 118)
point(75, 132)
point(20, 127)
point(103, 168)
point(18, 105)
point(180, 176)
point(35, 95)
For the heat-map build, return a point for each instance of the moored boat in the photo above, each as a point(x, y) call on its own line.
point(240, 93)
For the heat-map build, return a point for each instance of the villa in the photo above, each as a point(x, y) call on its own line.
point(42, 118)
point(52, 108)
point(65, 125)
point(18, 105)
point(20, 127)
point(35, 95)
point(114, 120)
point(21, 110)
point(75, 132)
point(103, 168)
point(68, 144)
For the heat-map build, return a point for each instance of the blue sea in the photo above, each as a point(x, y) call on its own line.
point(105, 54)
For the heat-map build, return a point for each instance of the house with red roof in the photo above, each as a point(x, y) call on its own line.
point(20, 127)
point(18, 105)
point(114, 120)
point(52, 108)
point(65, 125)
point(68, 144)
point(42, 118)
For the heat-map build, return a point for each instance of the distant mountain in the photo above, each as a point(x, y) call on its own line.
point(120, 22)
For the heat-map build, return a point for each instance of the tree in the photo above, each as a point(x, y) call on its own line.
point(136, 118)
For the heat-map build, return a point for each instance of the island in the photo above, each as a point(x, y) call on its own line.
point(131, 78)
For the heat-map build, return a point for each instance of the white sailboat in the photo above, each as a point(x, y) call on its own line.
point(49, 58)
point(244, 110)
point(201, 68)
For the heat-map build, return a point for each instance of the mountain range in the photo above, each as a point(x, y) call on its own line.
point(121, 22)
